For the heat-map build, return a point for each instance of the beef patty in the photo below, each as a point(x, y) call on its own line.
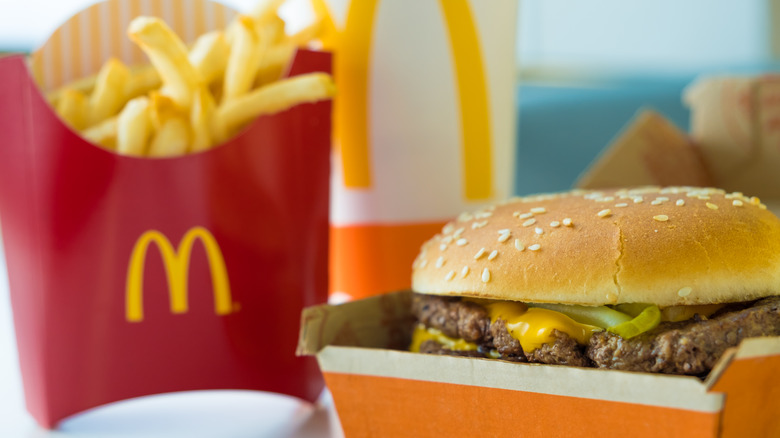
point(688, 347)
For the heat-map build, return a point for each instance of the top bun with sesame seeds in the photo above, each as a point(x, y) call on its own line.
point(665, 246)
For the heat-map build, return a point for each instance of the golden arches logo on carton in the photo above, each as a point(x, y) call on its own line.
point(176, 263)
point(351, 125)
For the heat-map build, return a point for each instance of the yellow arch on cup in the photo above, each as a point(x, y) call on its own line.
point(351, 69)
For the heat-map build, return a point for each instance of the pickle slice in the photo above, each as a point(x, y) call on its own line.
point(647, 320)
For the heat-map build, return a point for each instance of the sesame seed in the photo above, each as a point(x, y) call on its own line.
point(448, 228)
point(504, 231)
point(604, 213)
point(442, 247)
point(567, 222)
point(525, 215)
point(680, 202)
point(485, 275)
point(423, 263)
point(538, 230)
point(529, 222)
point(483, 214)
point(516, 214)
point(712, 206)
point(440, 262)
point(538, 210)
point(738, 203)
point(662, 198)
point(519, 245)
point(476, 225)
point(606, 199)
point(504, 237)
point(622, 204)
point(661, 218)
point(465, 217)
point(754, 200)
point(479, 254)
point(555, 224)
point(656, 202)
point(464, 272)
point(450, 275)
point(638, 200)
point(535, 247)
point(762, 206)
point(458, 232)
point(684, 292)
point(703, 197)
point(446, 240)
point(461, 242)
point(493, 254)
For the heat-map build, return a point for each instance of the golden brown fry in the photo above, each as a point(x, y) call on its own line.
point(265, 10)
point(168, 54)
point(134, 127)
point(142, 81)
point(273, 29)
point(245, 55)
point(109, 94)
point(171, 139)
point(328, 34)
point(305, 36)
point(209, 56)
point(161, 109)
point(73, 107)
point(272, 98)
point(273, 63)
point(104, 133)
point(201, 117)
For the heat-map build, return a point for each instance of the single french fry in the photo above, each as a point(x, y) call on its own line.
point(271, 99)
point(328, 34)
point(73, 107)
point(171, 139)
point(307, 34)
point(168, 54)
point(201, 118)
point(142, 81)
point(273, 63)
point(209, 56)
point(134, 127)
point(83, 85)
point(109, 94)
point(161, 109)
point(273, 29)
point(104, 133)
point(245, 55)
point(265, 10)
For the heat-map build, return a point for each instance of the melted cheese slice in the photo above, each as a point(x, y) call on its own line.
point(533, 327)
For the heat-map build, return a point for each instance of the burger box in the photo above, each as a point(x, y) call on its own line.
point(381, 390)
point(246, 222)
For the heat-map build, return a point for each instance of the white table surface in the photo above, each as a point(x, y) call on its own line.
point(223, 414)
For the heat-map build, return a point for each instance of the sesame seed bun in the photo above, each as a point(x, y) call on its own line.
point(670, 246)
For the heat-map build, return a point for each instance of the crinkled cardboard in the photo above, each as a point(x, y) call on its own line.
point(382, 391)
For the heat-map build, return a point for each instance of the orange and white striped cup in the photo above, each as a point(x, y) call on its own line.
point(424, 128)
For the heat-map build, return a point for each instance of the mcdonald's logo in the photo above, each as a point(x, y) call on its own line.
point(351, 125)
point(176, 262)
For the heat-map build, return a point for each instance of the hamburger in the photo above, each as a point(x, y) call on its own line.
point(647, 279)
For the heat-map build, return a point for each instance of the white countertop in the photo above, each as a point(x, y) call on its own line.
point(223, 414)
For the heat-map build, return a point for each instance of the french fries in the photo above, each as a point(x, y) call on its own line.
point(273, 98)
point(190, 99)
point(134, 126)
point(109, 94)
point(73, 107)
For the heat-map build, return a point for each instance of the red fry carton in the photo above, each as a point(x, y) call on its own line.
point(380, 390)
point(134, 276)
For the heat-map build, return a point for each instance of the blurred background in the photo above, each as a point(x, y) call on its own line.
point(583, 70)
